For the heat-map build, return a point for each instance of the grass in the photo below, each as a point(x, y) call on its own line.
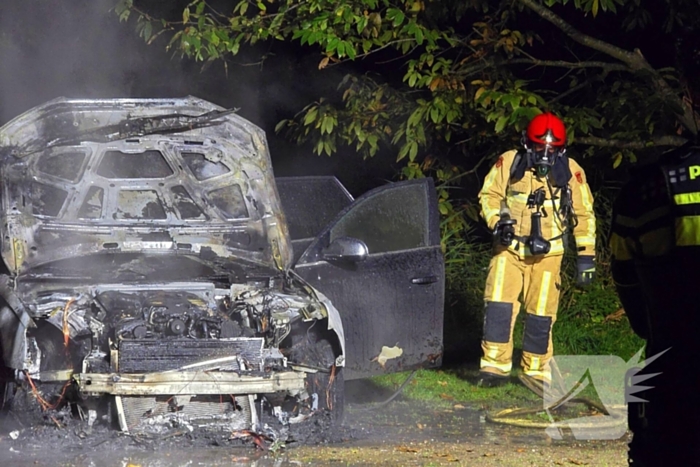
point(452, 386)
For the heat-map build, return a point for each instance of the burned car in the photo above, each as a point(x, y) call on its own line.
point(158, 275)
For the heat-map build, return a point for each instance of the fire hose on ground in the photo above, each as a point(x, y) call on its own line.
point(514, 416)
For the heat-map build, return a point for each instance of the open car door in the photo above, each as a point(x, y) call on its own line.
point(380, 264)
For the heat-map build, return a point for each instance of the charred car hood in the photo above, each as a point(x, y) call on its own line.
point(84, 178)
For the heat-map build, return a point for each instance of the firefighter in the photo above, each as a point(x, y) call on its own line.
point(530, 199)
point(655, 245)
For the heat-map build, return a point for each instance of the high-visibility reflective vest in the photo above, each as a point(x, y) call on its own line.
point(659, 209)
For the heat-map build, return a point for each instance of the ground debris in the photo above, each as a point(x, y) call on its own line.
point(406, 449)
point(260, 440)
point(447, 456)
point(616, 316)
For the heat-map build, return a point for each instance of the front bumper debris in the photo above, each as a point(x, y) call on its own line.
point(188, 382)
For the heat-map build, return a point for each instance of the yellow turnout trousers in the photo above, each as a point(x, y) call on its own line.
point(538, 278)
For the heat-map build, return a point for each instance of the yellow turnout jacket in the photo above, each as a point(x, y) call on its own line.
point(500, 189)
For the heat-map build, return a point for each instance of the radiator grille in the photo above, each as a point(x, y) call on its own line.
point(156, 414)
point(146, 355)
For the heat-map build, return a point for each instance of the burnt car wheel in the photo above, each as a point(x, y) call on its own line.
point(326, 386)
point(329, 386)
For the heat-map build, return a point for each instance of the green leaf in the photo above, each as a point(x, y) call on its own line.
point(123, 9)
point(332, 45)
point(398, 18)
point(281, 125)
point(413, 152)
point(403, 152)
point(617, 160)
point(416, 117)
point(327, 124)
point(341, 48)
point(147, 31)
point(501, 124)
point(310, 116)
point(350, 50)
point(186, 15)
point(419, 36)
point(434, 114)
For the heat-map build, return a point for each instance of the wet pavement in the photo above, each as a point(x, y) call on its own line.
point(398, 426)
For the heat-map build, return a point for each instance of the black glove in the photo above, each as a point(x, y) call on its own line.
point(505, 231)
point(585, 270)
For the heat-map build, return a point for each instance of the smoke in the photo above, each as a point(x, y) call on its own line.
point(80, 49)
point(72, 48)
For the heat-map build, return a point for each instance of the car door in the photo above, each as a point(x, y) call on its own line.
point(390, 297)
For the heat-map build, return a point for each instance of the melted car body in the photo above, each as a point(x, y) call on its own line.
point(152, 272)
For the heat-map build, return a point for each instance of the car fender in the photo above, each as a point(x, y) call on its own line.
point(335, 324)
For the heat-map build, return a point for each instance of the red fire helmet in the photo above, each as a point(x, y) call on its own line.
point(547, 129)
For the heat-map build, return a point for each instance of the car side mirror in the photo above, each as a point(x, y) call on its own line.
point(346, 249)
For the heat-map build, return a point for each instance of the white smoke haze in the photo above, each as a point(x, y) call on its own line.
point(79, 49)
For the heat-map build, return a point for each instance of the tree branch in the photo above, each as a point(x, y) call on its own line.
point(623, 55)
point(634, 60)
point(368, 53)
point(661, 141)
point(569, 91)
point(563, 64)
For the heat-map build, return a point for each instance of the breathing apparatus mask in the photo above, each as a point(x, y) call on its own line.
point(543, 155)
